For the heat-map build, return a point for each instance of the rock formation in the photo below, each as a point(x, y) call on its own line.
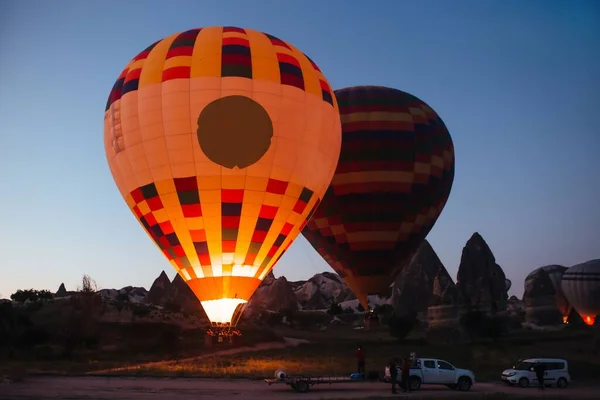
point(320, 291)
point(481, 282)
point(514, 305)
point(443, 325)
point(180, 294)
point(159, 289)
point(61, 292)
point(128, 293)
point(444, 290)
point(273, 295)
point(540, 299)
point(414, 286)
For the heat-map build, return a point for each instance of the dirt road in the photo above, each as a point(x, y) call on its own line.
point(115, 388)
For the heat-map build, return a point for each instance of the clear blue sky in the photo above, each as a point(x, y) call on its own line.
point(517, 83)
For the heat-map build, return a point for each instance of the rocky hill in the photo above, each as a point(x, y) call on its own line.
point(424, 283)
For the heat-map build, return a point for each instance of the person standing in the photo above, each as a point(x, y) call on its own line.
point(540, 370)
point(405, 369)
point(360, 360)
point(394, 374)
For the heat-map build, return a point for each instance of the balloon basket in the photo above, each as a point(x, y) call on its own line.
point(222, 335)
point(371, 319)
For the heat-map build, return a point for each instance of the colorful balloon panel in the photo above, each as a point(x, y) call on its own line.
point(392, 181)
point(581, 286)
point(222, 141)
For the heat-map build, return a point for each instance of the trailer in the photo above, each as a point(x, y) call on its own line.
point(302, 383)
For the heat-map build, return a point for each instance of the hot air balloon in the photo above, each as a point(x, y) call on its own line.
point(555, 273)
point(222, 141)
point(392, 181)
point(508, 284)
point(581, 286)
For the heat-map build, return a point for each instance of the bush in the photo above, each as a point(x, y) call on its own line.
point(31, 294)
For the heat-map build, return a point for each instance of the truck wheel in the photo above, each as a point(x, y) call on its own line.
point(562, 383)
point(415, 383)
point(464, 384)
point(302, 387)
point(524, 382)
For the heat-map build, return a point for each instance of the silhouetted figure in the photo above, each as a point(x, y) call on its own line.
point(360, 359)
point(540, 370)
point(394, 374)
point(405, 368)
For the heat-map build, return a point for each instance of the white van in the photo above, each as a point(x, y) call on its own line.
point(523, 374)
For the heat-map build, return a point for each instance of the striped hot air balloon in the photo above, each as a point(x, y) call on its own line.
point(392, 181)
point(222, 140)
point(581, 285)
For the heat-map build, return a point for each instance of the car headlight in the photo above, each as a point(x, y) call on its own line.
point(511, 374)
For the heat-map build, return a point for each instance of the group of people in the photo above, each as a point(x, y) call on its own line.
point(398, 367)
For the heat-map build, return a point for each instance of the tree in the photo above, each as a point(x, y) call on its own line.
point(86, 307)
point(360, 308)
point(88, 285)
point(32, 295)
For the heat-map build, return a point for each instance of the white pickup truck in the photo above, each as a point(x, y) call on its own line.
point(431, 371)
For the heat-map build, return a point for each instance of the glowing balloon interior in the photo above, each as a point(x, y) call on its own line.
point(581, 286)
point(222, 141)
point(393, 179)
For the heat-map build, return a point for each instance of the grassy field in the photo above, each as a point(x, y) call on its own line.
point(332, 353)
point(337, 359)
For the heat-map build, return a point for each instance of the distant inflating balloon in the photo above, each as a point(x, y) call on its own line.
point(555, 273)
point(222, 141)
point(393, 179)
point(581, 285)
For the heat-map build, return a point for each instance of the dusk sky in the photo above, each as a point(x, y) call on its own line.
point(516, 82)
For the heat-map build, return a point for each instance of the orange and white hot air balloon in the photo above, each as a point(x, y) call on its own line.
point(222, 141)
point(581, 286)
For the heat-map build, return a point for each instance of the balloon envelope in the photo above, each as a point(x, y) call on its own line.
point(581, 286)
point(393, 179)
point(555, 273)
point(222, 141)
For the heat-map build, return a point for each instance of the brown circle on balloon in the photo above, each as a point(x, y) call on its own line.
point(234, 131)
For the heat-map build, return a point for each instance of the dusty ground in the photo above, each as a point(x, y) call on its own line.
point(105, 388)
